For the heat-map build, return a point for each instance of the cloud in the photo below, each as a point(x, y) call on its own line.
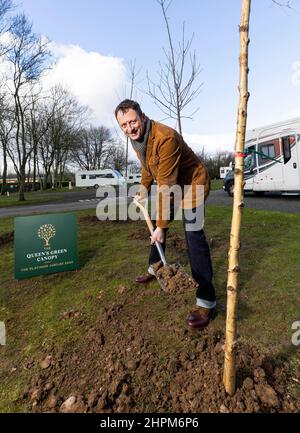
point(96, 80)
point(211, 142)
point(296, 73)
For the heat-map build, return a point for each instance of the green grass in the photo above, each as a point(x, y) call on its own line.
point(269, 287)
point(30, 198)
point(216, 184)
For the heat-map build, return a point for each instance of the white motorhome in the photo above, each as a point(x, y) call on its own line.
point(96, 178)
point(273, 159)
point(134, 178)
point(224, 171)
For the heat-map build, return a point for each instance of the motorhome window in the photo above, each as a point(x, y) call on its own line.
point(247, 162)
point(92, 176)
point(83, 176)
point(250, 160)
point(286, 147)
point(268, 150)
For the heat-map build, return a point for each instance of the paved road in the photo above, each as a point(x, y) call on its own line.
point(275, 202)
point(79, 200)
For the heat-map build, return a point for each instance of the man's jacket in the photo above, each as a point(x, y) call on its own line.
point(170, 161)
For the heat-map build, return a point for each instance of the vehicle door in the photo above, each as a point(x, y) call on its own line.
point(269, 165)
point(249, 168)
point(290, 152)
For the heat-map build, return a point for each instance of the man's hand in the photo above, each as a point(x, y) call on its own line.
point(158, 235)
point(139, 198)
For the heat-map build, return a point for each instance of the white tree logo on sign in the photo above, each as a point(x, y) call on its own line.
point(46, 232)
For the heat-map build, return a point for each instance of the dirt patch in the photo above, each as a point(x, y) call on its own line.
point(173, 278)
point(216, 243)
point(92, 219)
point(89, 219)
point(174, 241)
point(120, 369)
point(6, 238)
point(177, 243)
point(139, 234)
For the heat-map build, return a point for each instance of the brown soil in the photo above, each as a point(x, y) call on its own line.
point(6, 238)
point(173, 278)
point(92, 219)
point(121, 368)
point(89, 219)
point(174, 242)
point(139, 234)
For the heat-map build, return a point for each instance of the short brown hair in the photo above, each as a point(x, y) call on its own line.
point(125, 105)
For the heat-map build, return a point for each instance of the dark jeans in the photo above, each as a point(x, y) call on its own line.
point(200, 261)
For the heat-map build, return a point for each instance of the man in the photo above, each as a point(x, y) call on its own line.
point(166, 158)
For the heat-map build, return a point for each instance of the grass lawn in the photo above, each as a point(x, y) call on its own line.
point(30, 198)
point(216, 184)
point(111, 255)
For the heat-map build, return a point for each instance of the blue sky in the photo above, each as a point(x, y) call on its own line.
point(134, 29)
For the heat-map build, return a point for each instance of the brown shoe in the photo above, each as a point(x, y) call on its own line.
point(144, 279)
point(200, 317)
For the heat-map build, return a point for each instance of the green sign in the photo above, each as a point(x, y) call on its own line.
point(45, 244)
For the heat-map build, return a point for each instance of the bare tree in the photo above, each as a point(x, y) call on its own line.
point(5, 24)
point(37, 124)
point(286, 3)
point(229, 375)
point(6, 129)
point(27, 60)
point(92, 147)
point(115, 158)
point(5, 118)
point(60, 121)
point(213, 162)
point(177, 88)
point(132, 75)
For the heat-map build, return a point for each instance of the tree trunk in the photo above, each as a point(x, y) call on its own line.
point(179, 122)
point(4, 173)
point(34, 167)
point(229, 377)
point(61, 174)
point(21, 178)
point(45, 180)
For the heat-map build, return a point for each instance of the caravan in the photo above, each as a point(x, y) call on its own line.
point(96, 178)
point(134, 178)
point(272, 161)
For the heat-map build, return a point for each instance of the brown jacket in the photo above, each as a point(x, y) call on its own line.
point(170, 161)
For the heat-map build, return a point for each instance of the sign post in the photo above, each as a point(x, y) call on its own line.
point(45, 244)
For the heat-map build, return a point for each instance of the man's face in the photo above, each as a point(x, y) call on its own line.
point(131, 124)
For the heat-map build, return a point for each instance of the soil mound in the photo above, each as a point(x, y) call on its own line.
point(6, 238)
point(173, 278)
point(119, 369)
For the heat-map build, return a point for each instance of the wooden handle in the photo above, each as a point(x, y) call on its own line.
point(146, 215)
point(151, 229)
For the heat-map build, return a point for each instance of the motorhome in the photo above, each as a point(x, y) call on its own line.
point(96, 178)
point(134, 178)
point(272, 159)
point(224, 171)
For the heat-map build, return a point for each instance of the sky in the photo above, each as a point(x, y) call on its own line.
point(94, 41)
